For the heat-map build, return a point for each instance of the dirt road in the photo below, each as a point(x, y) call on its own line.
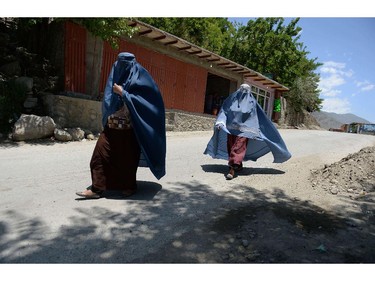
point(271, 213)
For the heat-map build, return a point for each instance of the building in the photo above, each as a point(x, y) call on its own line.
point(190, 78)
point(358, 128)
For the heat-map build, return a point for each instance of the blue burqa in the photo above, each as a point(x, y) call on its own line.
point(145, 103)
point(241, 115)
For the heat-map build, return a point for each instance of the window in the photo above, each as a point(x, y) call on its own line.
point(262, 97)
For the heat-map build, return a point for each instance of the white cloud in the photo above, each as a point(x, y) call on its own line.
point(333, 64)
point(336, 105)
point(339, 68)
point(368, 87)
point(365, 86)
point(327, 84)
point(338, 87)
point(333, 75)
point(331, 67)
point(331, 93)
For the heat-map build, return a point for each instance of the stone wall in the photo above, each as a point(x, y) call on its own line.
point(70, 112)
point(182, 121)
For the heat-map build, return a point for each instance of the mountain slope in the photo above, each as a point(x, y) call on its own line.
point(329, 120)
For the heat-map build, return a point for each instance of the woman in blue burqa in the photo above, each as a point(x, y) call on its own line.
point(134, 130)
point(244, 132)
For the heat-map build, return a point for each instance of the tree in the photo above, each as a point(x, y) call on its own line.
point(108, 29)
point(268, 46)
point(213, 34)
point(304, 94)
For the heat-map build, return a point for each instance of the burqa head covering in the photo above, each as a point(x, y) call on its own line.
point(123, 67)
point(145, 103)
point(241, 115)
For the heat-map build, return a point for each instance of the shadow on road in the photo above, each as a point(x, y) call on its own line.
point(182, 226)
point(222, 169)
point(146, 191)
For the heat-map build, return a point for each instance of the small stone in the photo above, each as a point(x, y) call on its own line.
point(334, 190)
point(362, 193)
point(62, 135)
point(77, 133)
point(90, 137)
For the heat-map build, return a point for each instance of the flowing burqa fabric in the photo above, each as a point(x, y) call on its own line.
point(144, 101)
point(241, 115)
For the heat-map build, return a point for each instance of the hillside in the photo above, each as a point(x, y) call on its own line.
point(329, 120)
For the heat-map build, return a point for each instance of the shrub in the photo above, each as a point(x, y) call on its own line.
point(12, 97)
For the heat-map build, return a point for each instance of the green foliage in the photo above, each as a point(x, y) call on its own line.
point(12, 97)
point(267, 45)
point(108, 29)
point(213, 34)
point(304, 94)
point(26, 24)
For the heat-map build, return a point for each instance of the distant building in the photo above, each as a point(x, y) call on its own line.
point(359, 128)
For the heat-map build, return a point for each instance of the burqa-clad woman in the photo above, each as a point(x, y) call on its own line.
point(134, 130)
point(244, 132)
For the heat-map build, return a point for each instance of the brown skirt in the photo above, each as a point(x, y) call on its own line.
point(115, 159)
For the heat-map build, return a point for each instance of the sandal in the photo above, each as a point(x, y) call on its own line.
point(230, 175)
point(89, 194)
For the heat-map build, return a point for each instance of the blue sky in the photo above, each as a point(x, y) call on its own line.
point(346, 47)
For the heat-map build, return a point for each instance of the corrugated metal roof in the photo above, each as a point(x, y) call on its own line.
point(167, 39)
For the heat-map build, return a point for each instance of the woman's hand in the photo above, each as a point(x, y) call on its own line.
point(117, 89)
